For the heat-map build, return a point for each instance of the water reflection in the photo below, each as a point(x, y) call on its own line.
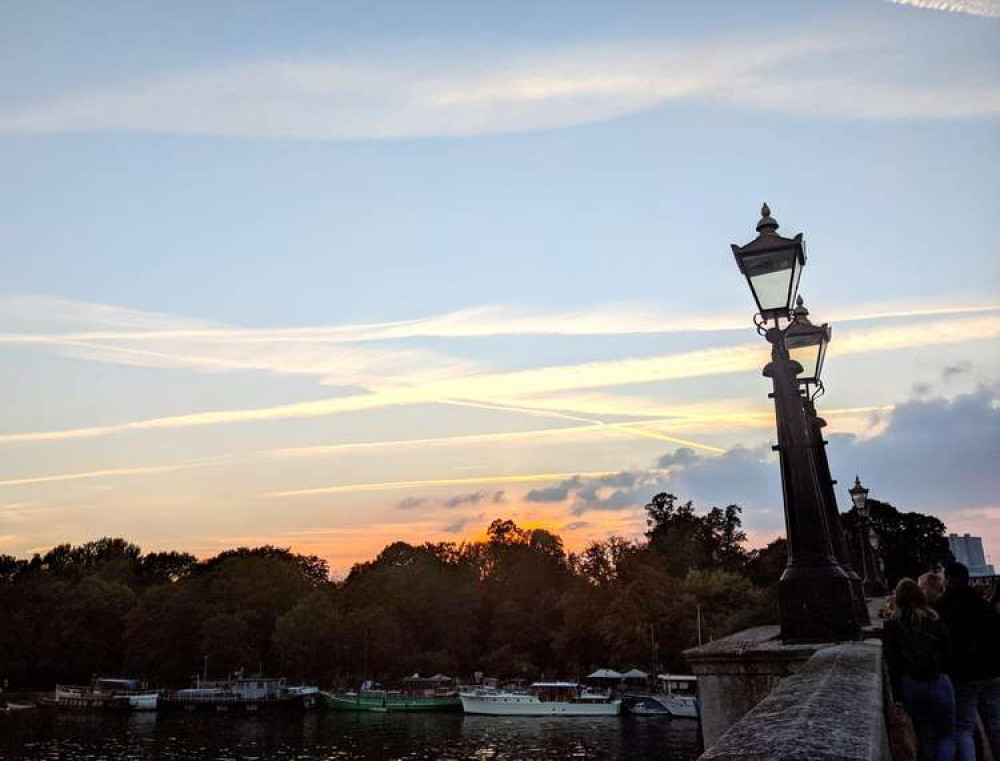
point(321, 736)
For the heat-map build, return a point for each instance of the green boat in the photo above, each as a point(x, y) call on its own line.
point(383, 701)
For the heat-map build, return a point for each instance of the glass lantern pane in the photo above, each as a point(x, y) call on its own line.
point(808, 357)
point(770, 275)
point(796, 274)
point(821, 359)
point(771, 289)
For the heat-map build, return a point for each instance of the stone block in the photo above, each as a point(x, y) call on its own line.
point(737, 672)
point(830, 709)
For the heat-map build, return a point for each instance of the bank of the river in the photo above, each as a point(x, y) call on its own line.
point(319, 736)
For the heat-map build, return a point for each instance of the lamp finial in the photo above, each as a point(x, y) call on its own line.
point(767, 222)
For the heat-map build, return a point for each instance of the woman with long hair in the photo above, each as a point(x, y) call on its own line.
point(918, 654)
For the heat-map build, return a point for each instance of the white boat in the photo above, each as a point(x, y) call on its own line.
point(677, 698)
point(244, 693)
point(104, 694)
point(541, 699)
point(12, 707)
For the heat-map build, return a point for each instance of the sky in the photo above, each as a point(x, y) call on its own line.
point(329, 275)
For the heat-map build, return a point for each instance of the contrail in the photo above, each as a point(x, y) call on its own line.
point(142, 471)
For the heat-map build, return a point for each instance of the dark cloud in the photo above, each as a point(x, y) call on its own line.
point(410, 503)
point(549, 494)
point(586, 490)
point(679, 457)
point(935, 455)
point(955, 369)
point(577, 526)
point(615, 491)
point(922, 389)
point(744, 476)
point(624, 479)
point(620, 499)
point(475, 498)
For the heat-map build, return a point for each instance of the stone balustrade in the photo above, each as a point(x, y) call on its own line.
point(828, 705)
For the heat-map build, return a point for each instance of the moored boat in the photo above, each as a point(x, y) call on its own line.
point(243, 693)
point(9, 707)
point(676, 698)
point(541, 699)
point(103, 694)
point(419, 694)
point(380, 701)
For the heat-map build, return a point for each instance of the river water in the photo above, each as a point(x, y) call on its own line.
point(56, 736)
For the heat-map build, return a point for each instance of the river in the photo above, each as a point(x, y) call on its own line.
point(56, 736)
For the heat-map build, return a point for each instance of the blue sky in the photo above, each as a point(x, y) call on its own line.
point(243, 240)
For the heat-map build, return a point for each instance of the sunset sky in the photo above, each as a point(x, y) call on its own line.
point(327, 275)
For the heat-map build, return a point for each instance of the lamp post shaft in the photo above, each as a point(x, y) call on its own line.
point(814, 594)
point(838, 541)
point(872, 583)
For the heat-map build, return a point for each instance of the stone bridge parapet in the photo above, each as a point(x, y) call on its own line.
point(830, 707)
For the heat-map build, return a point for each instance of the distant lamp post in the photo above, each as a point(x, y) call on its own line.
point(815, 595)
point(871, 575)
point(772, 266)
point(859, 496)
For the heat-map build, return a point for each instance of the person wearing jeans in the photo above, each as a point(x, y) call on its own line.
point(977, 699)
point(975, 628)
point(918, 655)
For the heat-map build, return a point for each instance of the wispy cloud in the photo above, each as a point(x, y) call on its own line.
point(281, 412)
point(113, 472)
point(472, 91)
point(536, 391)
point(44, 320)
point(987, 8)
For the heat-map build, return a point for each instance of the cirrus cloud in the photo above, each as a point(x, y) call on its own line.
point(398, 93)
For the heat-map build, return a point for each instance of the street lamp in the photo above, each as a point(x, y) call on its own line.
point(815, 598)
point(772, 266)
point(807, 344)
point(859, 496)
point(872, 577)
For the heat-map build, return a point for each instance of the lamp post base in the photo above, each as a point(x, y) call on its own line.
point(813, 601)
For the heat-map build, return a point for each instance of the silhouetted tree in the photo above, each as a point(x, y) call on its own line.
point(512, 604)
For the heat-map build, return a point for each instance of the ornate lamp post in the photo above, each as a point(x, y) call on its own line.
point(814, 594)
point(872, 579)
point(807, 344)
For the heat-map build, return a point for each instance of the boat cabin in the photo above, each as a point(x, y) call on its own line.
point(567, 692)
point(428, 686)
point(678, 684)
point(258, 687)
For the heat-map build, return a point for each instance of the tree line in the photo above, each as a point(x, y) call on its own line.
point(516, 604)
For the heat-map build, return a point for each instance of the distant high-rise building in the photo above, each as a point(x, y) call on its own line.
point(968, 550)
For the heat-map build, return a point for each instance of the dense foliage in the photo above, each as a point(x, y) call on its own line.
point(515, 604)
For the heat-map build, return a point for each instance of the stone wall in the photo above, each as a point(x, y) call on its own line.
point(830, 708)
point(737, 672)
